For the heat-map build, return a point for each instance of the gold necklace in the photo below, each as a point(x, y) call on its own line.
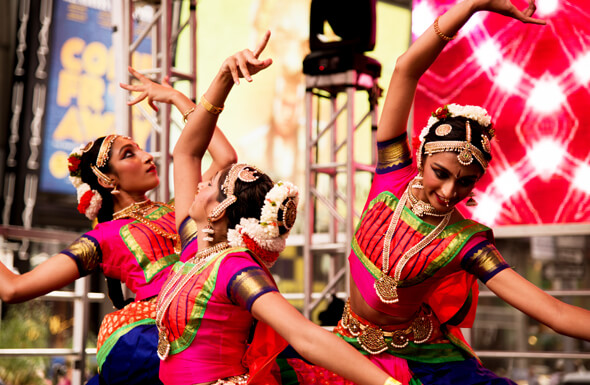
point(421, 208)
point(138, 211)
point(165, 298)
point(386, 286)
point(136, 207)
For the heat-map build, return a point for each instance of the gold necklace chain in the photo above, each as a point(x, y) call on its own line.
point(165, 298)
point(421, 208)
point(136, 207)
point(138, 211)
point(386, 286)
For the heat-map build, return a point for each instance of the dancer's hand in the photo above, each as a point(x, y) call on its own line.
point(154, 92)
point(245, 63)
point(507, 8)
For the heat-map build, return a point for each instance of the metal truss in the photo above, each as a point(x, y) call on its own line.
point(170, 18)
point(331, 155)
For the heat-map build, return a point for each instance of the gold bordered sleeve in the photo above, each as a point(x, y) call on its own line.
point(248, 284)
point(393, 154)
point(484, 261)
point(85, 251)
point(188, 232)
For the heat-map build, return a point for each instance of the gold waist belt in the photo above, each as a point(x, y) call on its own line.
point(375, 340)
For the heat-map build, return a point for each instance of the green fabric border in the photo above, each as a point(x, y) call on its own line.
point(110, 342)
point(150, 269)
point(463, 230)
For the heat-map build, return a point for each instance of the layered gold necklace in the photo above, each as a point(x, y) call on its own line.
point(139, 210)
point(386, 286)
point(168, 294)
point(421, 208)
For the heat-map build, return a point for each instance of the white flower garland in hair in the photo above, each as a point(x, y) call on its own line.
point(265, 232)
point(475, 113)
point(89, 201)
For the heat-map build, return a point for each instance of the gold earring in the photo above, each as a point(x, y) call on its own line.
point(209, 231)
point(471, 202)
point(115, 190)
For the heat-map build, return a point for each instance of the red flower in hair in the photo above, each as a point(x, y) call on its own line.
point(73, 163)
point(441, 112)
point(85, 201)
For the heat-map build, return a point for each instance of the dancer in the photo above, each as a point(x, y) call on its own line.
point(135, 242)
point(415, 259)
point(208, 306)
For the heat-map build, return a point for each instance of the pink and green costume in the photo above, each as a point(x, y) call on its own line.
point(138, 256)
point(438, 286)
point(208, 322)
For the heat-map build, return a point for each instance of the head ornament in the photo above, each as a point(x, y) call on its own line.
point(465, 149)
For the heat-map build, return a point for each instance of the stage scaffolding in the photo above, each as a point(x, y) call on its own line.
point(336, 161)
point(170, 19)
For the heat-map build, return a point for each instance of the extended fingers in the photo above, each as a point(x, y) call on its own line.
point(138, 99)
point(262, 45)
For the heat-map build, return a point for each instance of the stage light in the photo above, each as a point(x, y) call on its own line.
point(546, 7)
point(546, 156)
point(487, 210)
point(474, 22)
point(488, 54)
point(507, 183)
point(580, 67)
point(582, 178)
point(509, 76)
point(423, 16)
point(547, 96)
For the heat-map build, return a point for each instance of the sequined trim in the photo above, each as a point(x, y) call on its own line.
point(86, 252)
point(241, 379)
point(393, 154)
point(249, 284)
point(484, 261)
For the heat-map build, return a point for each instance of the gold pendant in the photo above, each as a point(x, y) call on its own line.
point(372, 340)
point(386, 289)
point(163, 345)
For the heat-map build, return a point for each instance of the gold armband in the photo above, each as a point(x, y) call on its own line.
point(210, 107)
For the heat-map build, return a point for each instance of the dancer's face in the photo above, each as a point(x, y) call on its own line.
point(132, 168)
point(446, 181)
point(205, 199)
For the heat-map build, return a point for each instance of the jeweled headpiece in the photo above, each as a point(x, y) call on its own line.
point(241, 171)
point(103, 158)
point(467, 151)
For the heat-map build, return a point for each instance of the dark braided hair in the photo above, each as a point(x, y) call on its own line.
point(89, 157)
point(250, 199)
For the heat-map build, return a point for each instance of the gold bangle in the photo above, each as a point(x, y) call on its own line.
point(187, 113)
point(391, 381)
point(439, 33)
point(210, 107)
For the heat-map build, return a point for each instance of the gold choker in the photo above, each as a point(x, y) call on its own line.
point(421, 208)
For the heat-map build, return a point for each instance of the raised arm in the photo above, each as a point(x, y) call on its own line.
point(195, 137)
point(565, 319)
point(422, 53)
point(53, 274)
point(222, 152)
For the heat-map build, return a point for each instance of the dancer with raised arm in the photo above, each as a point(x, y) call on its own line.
point(233, 228)
point(134, 242)
point(415, 259)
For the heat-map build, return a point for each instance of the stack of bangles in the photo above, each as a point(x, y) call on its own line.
point(206, 105)
point(392, 381)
